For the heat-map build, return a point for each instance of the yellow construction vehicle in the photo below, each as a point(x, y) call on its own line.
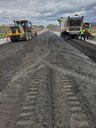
point(22, 30)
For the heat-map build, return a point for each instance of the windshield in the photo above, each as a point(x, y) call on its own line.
point(73, 22)
point(22, 23)
point(14, 27)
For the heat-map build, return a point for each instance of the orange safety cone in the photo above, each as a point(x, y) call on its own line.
point(7, 39)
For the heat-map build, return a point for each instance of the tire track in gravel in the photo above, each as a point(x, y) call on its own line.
point(27, 70)
point(11, 97)
point(36, 110)
point(69, 110)
point(79, 117)
point(28, 106)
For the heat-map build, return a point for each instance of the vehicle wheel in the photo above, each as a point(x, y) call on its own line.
point(61, 34)
point(69, 37)
point(26, 38)
point(35, 34)
point(12, 40)
point(30, 36)
point(77, 37)
point(66, 37)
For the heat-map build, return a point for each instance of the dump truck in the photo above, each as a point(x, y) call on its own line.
point(21, 30)
point(72, 26)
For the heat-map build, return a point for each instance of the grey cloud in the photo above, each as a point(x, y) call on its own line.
point(90, 7)
point(49, 10)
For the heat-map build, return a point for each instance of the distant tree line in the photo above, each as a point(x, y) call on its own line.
point(53, 27)
point(4, 29)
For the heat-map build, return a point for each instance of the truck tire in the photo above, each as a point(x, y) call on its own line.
point(26, 37)
point(35, 34)
point(69, 37)
point(30, 36)
point(12, 40)
point(66, 37)
point(61, 34)
point(77, 37)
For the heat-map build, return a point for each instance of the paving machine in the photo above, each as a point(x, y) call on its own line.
point(21, 30)
point(72, 27)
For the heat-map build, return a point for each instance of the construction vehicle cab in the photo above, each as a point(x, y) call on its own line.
point(25, 24)
point(22, 30)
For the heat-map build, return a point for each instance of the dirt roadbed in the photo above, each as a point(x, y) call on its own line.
point(46, 83)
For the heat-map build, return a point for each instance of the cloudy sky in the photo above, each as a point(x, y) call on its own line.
point(45, 11)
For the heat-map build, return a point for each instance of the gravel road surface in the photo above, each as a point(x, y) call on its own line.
point(47, 83)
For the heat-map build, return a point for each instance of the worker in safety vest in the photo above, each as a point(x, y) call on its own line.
point(61, 22)
point(82, 34)
point(87, 33)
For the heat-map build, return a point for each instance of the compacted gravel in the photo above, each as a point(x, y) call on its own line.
point(47, 83)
